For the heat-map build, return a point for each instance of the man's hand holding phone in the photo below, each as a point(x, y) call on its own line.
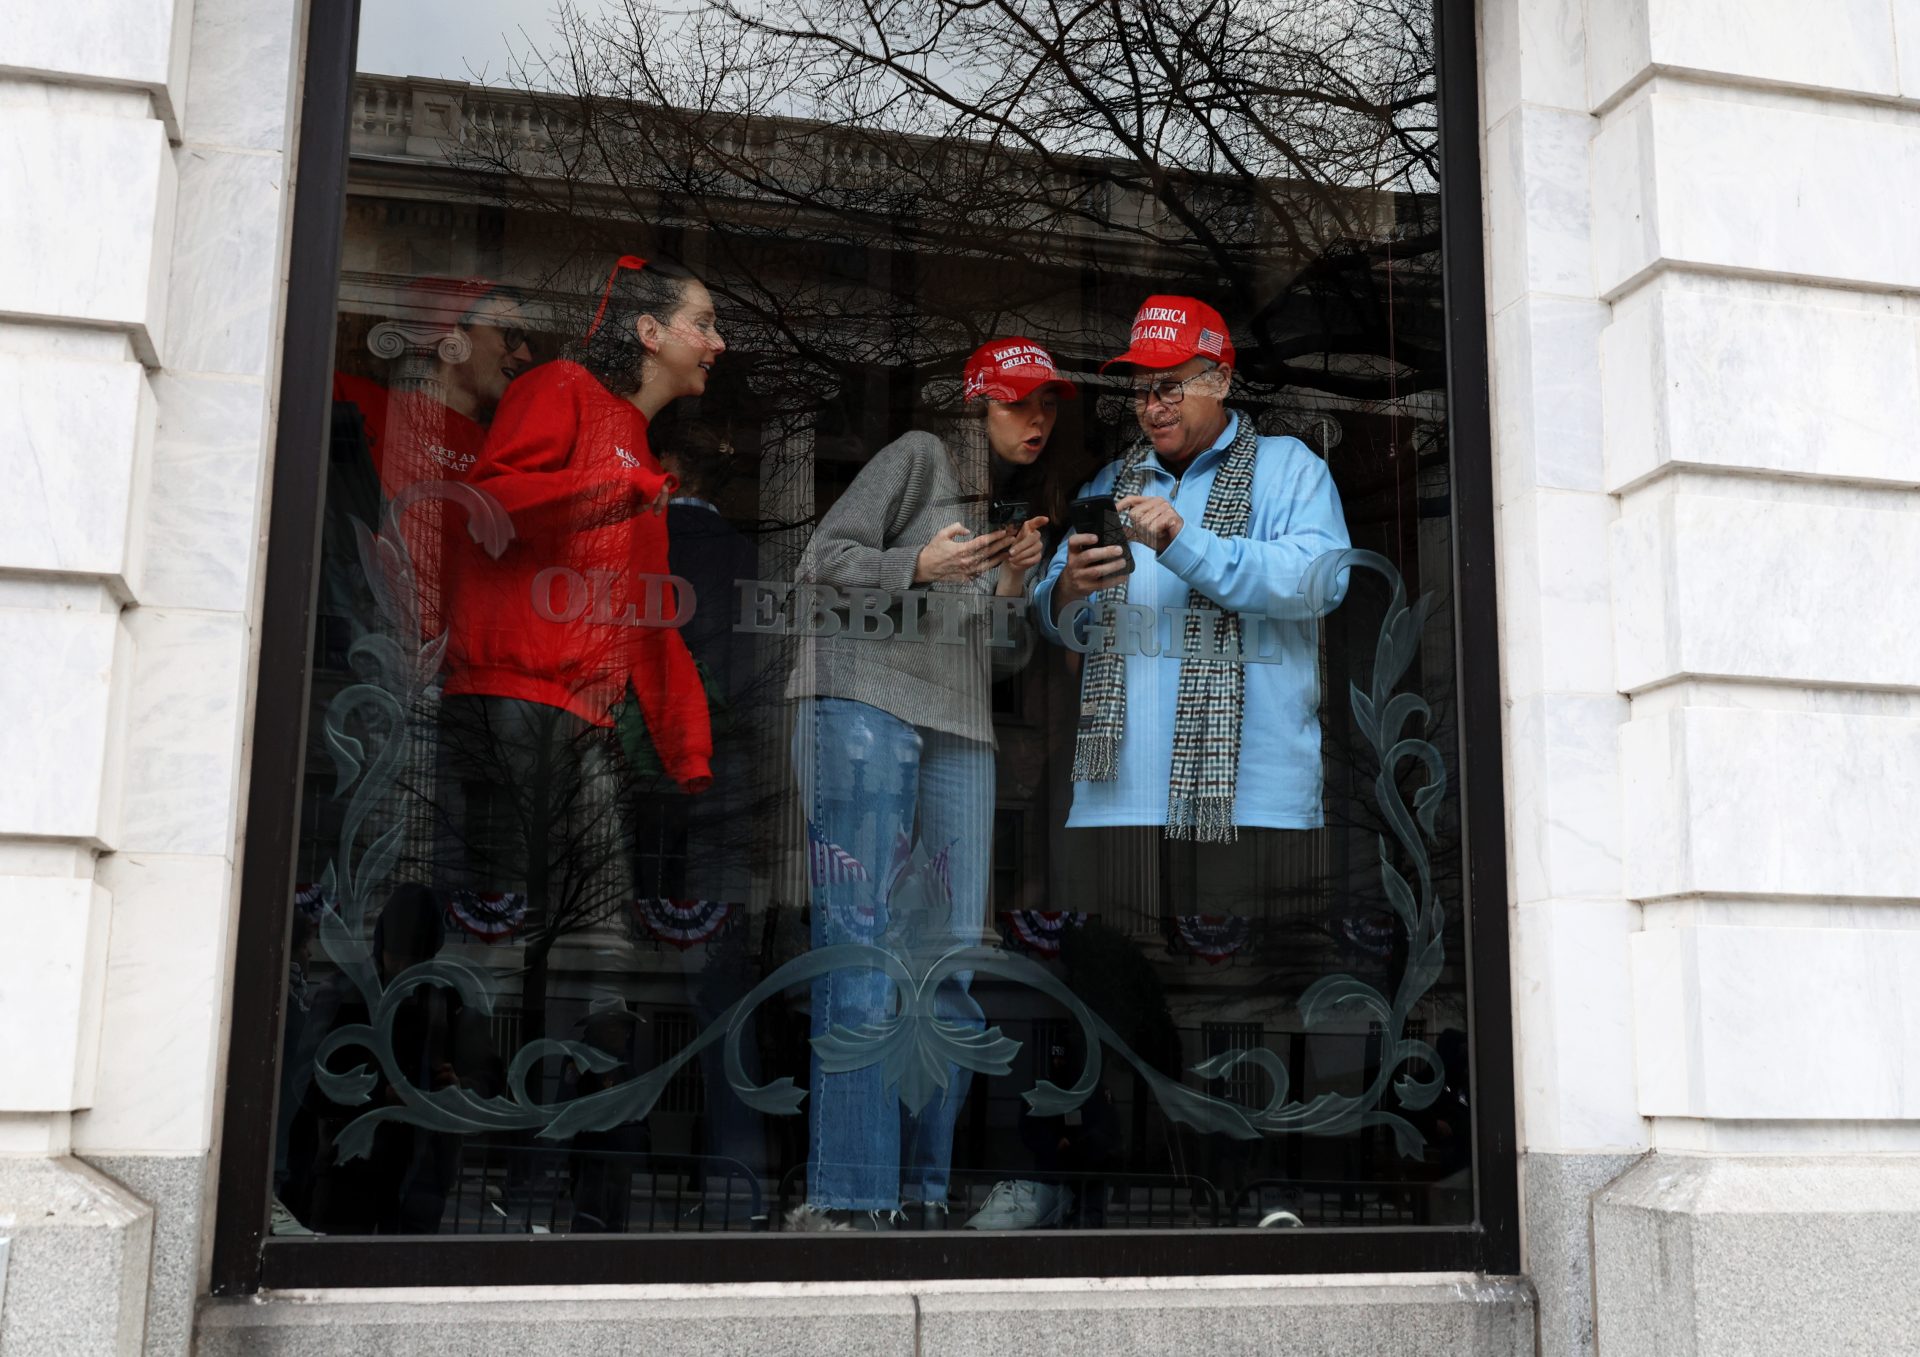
point(1097, 553)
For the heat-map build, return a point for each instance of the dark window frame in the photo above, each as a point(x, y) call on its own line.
point(246, 1259)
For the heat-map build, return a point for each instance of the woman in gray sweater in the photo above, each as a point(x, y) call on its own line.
point(893, 744)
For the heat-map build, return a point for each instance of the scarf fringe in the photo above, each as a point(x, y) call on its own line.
point(1096, 758)
point(1205, 819)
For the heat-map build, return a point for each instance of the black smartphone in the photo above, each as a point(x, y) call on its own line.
point(1007, 513)
point(1098, 515)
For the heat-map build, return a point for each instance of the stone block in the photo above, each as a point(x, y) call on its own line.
point(1751, 376)
point(204, 497)
point(240, 95)
point(1539, 207)
point(1841, 45)
point(1715, 1041)
point(77, 1263)
point(1307, 1317)
point(1758, 1257)
point(1743, 801)
point(57, 715)
point(1565, 780)
point(73, 436)
point(1573, 1015)
point(1774, 588)
point(185, 700)
point(52, 972)
point(139, 43)
point(95, 245)
point(174, 1187)
point(1557, 622)
point(1906, 45)
point(161, 1008)
point(850, 1323)
point(1535, 52)
point(1556, 1204)
point(1313, 1317)
point(1761, 188)
point(227, 284)
point(1546, 393)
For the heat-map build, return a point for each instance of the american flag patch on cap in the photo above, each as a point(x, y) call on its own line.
point(1209, 342)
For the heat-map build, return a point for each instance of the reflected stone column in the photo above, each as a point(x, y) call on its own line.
point(786, 498)
point(415, 452)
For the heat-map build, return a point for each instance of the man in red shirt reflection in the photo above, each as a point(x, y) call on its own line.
point(453, 348)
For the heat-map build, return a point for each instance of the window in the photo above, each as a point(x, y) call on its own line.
point(887, 657)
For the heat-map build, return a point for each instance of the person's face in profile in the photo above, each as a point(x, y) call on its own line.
point(1018, 431)
point(686, 345)
point(500, 351)
point(1180, 408)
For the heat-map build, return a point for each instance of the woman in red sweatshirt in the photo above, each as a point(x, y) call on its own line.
point(545, 640)
point(573, 610)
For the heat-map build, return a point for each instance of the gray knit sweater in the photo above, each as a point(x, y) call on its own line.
point(871, 538)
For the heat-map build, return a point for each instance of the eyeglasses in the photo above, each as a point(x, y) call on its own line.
point(511, 336)
point(1167, 390)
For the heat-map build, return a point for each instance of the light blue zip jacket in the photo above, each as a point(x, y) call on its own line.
point(1296, 517)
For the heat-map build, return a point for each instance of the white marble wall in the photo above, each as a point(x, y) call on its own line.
point(1571, 919)
point(145, 149)
point(1706, 379)
point(140, 309)
point(51, 974)
point(1707, 419)
point(172, 874)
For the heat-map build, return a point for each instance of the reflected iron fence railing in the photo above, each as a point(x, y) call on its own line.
point(513, 1189)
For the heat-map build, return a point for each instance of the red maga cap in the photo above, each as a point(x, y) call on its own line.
point(625, 261)
point(1011, 369)
point(1167, 331)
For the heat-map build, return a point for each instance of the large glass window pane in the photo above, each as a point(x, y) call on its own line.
point(885, 653)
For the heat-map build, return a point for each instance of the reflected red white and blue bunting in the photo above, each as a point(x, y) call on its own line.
point(309, 899)
point(682, 923)
point(1371, 936)
point(1041, 930)
point(488, 916)
point(1213, 937)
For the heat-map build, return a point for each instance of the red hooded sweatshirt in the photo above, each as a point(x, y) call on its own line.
point(551, 620)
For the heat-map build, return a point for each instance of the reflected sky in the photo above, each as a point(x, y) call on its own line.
point(477, 40)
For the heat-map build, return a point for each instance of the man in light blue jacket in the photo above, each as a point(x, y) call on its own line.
point(1199, 703)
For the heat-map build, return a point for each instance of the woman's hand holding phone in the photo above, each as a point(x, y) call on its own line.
point(947, 559)
point(1022, 557)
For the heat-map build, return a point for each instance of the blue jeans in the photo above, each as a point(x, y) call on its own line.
point(864, 777)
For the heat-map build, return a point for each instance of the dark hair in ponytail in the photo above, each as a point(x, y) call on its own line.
point(613, 352)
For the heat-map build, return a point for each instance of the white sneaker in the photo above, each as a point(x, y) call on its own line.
point(1018, 1204)
point(810, 1219)
point(281, 1221)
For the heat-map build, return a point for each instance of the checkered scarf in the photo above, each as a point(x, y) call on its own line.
point(1212, 694)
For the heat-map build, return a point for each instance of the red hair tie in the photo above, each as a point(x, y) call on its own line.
point(625, 261)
